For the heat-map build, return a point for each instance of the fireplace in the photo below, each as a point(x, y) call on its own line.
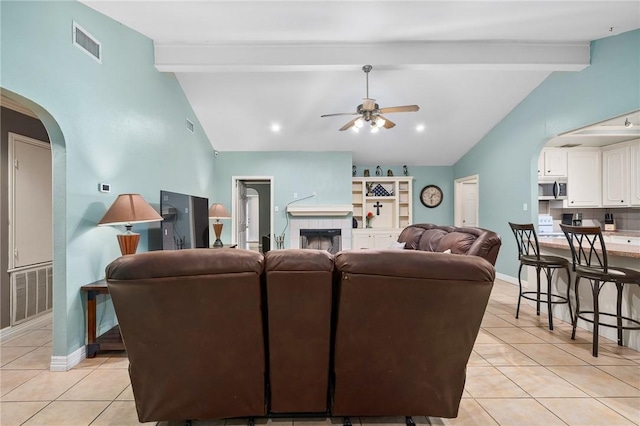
point(322, 221)
point(321, 239)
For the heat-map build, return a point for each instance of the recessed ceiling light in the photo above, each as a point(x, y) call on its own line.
point(420, 128)
point(275, 127)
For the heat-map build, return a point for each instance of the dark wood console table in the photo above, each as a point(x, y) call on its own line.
point(109, 341)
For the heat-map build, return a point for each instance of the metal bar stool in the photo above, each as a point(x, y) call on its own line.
point(590, 262)
point(529, 255)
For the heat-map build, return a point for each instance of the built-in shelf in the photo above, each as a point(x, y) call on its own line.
point(320, 210)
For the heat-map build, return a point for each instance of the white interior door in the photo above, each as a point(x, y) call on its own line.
point(466, 201)
point(30, 200)
point(469, 204)
point(253, 216)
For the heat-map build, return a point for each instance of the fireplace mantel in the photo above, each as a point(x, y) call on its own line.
point(320, 210)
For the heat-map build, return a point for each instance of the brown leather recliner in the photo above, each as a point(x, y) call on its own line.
point(191, 322)
point(469, 241)
point(299, 298)
point(405, 328)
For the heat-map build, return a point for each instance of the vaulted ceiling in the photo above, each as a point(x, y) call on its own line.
point(246, 66)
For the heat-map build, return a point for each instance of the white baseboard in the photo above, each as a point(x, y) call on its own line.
point(507, 278)
point(25, 327)
point(66, 363)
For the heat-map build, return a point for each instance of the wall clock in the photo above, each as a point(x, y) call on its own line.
point(431, 196)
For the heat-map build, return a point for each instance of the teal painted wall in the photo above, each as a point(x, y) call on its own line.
point(506, 158)
point(441, 176)
point(326, 173)
point(120, 122)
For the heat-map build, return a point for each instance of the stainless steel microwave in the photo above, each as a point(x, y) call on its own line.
point(552, 189)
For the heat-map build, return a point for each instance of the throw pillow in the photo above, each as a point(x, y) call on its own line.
point(397, 245)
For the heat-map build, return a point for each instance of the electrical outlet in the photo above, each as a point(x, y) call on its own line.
point(525, 207)
point(295, 195)
point(276, 209)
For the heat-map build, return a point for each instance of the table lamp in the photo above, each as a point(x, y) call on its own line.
point(126, 210)
point(217, 211)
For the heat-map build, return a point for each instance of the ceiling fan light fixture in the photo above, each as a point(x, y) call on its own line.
point(369, 110)
point(627, 123)
point(355, 129)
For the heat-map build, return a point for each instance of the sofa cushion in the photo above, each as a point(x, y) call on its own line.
point(411, 237)
point(458, 242)
point(430, 240)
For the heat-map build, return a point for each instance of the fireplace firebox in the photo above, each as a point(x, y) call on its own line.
point(321, 239)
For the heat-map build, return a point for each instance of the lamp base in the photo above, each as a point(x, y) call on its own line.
point(128, 242)
point(217, 229)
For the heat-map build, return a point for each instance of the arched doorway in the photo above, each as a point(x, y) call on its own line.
point(58, 179)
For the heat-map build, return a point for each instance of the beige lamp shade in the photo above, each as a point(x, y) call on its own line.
point(126, 210)
point(218, 211)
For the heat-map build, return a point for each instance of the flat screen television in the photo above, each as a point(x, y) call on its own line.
point(186, 221)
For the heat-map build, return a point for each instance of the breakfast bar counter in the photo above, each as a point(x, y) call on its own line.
point(620, 255)
point(622, 250)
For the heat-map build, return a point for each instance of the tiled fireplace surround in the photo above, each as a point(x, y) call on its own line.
point(342, 223)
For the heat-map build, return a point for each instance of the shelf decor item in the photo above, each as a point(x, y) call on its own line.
point(217, 211)
point(380, 191)
point(129, 209)
point(368, 218)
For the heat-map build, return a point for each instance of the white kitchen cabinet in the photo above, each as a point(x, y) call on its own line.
point(616, 175)
point(553, 162)
point(584, 178)
point(370, 238)
point(621, 239)
point(634, 195)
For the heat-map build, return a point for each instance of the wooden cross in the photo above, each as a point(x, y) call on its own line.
point(377, 205)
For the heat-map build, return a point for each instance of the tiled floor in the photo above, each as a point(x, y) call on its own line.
point(520, 373)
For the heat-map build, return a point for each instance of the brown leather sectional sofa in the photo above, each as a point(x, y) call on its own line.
point(232, 333)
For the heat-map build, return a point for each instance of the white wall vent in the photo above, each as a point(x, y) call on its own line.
point(87, 43)
point(32, 292)
point(189, 125)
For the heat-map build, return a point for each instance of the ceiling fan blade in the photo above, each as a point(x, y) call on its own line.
point(339, 113)
point(349, 124)
point(387, 123)
point(404, 108)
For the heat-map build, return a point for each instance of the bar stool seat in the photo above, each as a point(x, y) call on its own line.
point(529, 255)
point(590, 262)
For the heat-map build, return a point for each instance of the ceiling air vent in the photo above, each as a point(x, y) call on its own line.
point(189, 125)
point(570, 145)
point(87, 43)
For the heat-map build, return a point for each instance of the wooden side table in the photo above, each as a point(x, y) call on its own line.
point(109, 341)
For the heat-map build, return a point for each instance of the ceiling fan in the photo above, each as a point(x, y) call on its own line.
point(369, 111)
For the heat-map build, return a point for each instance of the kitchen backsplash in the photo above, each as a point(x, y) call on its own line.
point(626, 219)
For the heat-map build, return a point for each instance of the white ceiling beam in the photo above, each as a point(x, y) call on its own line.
point(347, 56)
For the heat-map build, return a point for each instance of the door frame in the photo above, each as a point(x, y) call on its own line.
point(458, 200)
point(234, 200)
